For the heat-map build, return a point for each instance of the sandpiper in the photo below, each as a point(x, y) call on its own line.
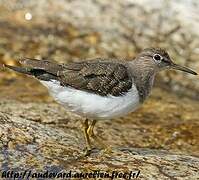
point(100, 88)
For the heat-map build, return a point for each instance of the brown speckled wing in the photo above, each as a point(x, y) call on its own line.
point(96, 76)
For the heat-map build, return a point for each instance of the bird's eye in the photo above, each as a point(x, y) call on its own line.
point(157, 57)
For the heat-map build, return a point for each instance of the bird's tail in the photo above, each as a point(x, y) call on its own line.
point(41, 69)
point(18, 69)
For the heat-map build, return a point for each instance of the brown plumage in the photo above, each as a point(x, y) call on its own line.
point(104, 76)
point(97, 76)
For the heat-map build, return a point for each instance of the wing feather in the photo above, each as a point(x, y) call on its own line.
point(103, 77)
point(97, 76)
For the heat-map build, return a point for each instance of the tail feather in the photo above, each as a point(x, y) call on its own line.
point(43, 70)
point(18, 69)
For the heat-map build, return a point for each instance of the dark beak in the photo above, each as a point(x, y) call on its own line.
point(182, 68)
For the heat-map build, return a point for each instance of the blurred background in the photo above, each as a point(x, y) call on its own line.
point(72, 30)
point(68, 30)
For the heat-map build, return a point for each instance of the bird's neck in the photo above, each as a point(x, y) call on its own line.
point(143, 75)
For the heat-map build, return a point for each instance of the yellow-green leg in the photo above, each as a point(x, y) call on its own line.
point(87, 138)
point(90, 132)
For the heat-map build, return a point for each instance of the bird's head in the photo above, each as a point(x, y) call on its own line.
point(160, 60)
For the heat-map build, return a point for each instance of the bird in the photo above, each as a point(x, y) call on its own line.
point(101, 88)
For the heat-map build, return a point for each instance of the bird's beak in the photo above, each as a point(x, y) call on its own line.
point(182, 68)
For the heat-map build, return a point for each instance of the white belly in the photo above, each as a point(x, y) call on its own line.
point(92, 105)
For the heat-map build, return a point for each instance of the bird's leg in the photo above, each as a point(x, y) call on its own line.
point(96, 138)
point(88, 143)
